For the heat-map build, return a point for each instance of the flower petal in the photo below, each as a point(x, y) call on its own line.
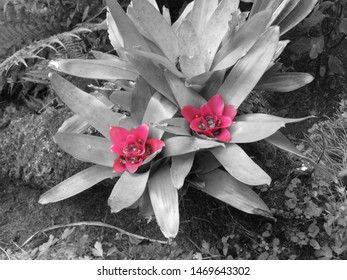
point(154, 145)
point(141, 132)
point(206, 110)
point(132, 167)
point(190, 113)
point(118, 134)
point(226, 121)
point(224, 135)
point(130, 139)
point(118, 166)
point(216, 104)
point(118, 147)
point(230, 111)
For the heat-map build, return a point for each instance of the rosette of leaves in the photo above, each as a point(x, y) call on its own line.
point(161, 68)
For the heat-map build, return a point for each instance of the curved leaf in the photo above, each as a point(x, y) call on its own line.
point(131, 37)
point(301, 10)
point(198, 82)
point(145, 205)
point(164, 199)
point(239, 44)
point(74, 124)
point(180, 167)
point(284, 11)
point(88, 107)
point(128, 189)
point(201, 13)
point(284, 82)
point(185, 13)
point(180, 145)
point(205, 162)
point(158, 28)
point(176, 126)
point(213, 84)
point(248, 71)
point(282, 142)
point(78, 183)
point(159, 108)
point(86, 147)
point(254, 127)
point(113, 33)
point(224, 187)
point(183, 95)
point(141, 96)
point(215, 30)
point(191, 62)
point(240, 165)
point(105, 56)
point(156, 59)
point(95, 69)
point(153, 74)
point(122, 99)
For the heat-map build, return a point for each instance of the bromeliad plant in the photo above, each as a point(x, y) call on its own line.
point(182, 84)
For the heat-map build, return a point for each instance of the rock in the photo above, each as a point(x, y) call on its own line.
point(27, 150)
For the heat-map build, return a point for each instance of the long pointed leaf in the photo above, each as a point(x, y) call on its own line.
point(283, 12)
point(185, 13)
point(180, 145)
point(240, 165)
point(156, 59)
point(254, 127)
point(114, 35)
point(145, 206)
point(239, 44)
point(88, 107)
point(159, 108)
point(183, 95)
point(284, 82)
point(95, 69)
point(127, 190)
point(158, 27)
point(248, 71)
point(74, 124)
point(180, 167)
point(301, 10)
point(176, 126)
point(164, 198)
point(78, 183)
point(141, 96)
point(215, 30)
point(153, 74)
point(190, 53)
point(213, 84)
point(86, 147)
point(282, 142)
point(201, 13)
point(224, 187)
point(122, 99)
point(132, 38)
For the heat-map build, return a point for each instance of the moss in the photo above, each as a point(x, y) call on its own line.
point(27, 149)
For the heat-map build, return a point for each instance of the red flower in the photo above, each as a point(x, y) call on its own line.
point(212, 119)
point(132, 146)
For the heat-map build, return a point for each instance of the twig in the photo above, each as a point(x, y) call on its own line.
point(97, 224)
point(196, 246)
point(7, 255)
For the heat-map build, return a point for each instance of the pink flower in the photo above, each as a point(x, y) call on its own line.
point(132, 146)
point(212, 119)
